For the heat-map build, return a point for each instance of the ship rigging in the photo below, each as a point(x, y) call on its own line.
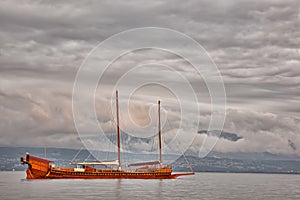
point(40, 168)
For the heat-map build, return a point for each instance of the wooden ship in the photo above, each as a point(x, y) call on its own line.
point(41, 168)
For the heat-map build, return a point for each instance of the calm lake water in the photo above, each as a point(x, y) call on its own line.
point(201, 186)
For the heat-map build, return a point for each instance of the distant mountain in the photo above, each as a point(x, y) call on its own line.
point(253, 156)
point(10, 156)
point(215, 162)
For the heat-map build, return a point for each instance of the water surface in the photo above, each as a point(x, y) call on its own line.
point(214, 186)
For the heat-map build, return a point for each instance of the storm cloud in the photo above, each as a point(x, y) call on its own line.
point(255, 44)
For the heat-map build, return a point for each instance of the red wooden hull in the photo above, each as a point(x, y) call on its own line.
point(40, 169)
point(61, 174)
point(66, 174)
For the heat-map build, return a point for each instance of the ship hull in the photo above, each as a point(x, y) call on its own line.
point(35, 174)
point(64, 174)
point(39, 168)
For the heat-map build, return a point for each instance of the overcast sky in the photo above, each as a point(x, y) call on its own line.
point(255, 44)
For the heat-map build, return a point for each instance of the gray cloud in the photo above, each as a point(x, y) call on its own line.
point(226, 135)
point(254, 43)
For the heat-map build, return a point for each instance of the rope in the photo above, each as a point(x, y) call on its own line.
point(88, 157)
point(189, 165)
point(76, 154)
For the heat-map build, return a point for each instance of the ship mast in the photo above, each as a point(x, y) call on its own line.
point(159, 134)
point(118, 130)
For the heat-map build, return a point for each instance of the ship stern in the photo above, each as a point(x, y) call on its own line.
point(38, 168)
